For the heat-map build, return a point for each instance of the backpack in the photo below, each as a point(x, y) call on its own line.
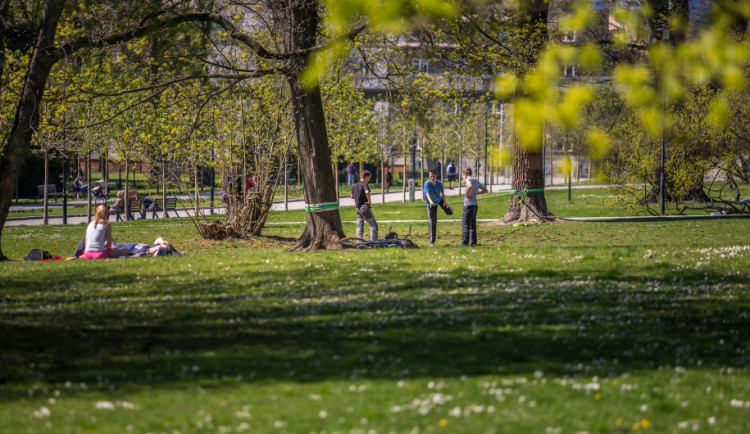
point(37, 255)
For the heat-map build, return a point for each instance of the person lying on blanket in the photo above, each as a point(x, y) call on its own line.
point(160, 247)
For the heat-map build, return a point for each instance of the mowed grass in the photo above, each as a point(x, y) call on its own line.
point(572, 327)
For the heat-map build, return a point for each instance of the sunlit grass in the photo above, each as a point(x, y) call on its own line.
point(590, 327)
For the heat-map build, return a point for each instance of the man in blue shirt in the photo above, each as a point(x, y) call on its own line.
point(469, 220)
point(434, 196)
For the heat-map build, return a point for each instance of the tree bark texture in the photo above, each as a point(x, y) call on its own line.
point(27, 112)
point(323, 229)
point(528, 174)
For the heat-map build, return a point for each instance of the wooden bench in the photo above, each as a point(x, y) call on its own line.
point(51, 191)
point(117, 210)
point(74, 191)
point(171, 205)
point(135, 204)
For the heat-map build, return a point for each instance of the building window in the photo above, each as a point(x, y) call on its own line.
point(421, 65)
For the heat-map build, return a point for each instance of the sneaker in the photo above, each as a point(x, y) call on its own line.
point(432, 244)
point(463, 245)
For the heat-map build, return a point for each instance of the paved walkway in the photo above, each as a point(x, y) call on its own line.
point(297, 204)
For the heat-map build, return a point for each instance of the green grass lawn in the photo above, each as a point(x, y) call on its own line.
point(557, 328)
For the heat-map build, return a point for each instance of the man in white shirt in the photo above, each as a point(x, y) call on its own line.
point(471, 206)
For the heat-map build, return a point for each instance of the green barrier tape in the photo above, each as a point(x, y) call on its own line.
point(320, 207)
point(533, 190)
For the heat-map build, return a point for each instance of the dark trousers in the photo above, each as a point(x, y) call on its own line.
point(432, 215)
point(469, 225)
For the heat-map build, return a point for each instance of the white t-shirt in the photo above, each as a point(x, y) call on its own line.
point(95, 235)
point(476, 186)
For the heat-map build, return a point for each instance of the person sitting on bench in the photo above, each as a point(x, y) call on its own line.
point(80, 185)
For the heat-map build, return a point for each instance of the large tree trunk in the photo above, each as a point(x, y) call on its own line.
point(27, 112)
point(528, 175)
point(323, 230)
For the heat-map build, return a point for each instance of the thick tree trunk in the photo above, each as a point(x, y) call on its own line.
point(27, 112)
point(528, 174)
point(324, 229)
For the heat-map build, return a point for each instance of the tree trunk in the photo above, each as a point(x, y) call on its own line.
point(164, 189)
point(45, 199)
point(528, 174)
point(126, 205)
point(324, 229)
point(196, 192)
point(27, 111)
point(88, 181)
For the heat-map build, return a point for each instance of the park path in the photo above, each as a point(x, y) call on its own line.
point(297, 204)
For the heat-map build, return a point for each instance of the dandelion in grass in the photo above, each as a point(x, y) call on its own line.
point(104, 405)
point(42, 413)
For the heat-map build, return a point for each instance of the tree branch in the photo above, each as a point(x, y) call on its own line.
point(150, 26)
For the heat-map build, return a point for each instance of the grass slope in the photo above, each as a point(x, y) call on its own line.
point(574, 327)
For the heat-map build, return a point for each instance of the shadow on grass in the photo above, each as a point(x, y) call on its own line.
point(443, 325)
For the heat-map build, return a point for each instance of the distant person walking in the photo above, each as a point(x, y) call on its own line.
point(388, 179)
point(439, 170)
point(351, 170)
point(452, 172)
point(361, 196)
point(471, 206)
point(434, 196)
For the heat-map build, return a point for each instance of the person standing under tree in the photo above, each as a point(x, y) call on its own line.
point(351, 170)
point(361, 196)
point(435, 197)
point(471, 206)
point(451, 171)
point(439, 170)
point(388, 179)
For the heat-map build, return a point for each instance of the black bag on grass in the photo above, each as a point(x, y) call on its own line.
point(37, 255)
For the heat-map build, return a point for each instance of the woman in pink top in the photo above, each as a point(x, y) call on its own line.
point(98, 239)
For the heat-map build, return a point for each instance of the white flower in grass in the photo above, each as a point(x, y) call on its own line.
point(105, 405)
point(42, 413)
point(455, 412)
point(711, 420)
point(323, 414)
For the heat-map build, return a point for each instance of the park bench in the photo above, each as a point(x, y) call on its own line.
point(117, 210)
point(73, 190)
point(51, 191)
point(171, 205)
point(135, 204)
